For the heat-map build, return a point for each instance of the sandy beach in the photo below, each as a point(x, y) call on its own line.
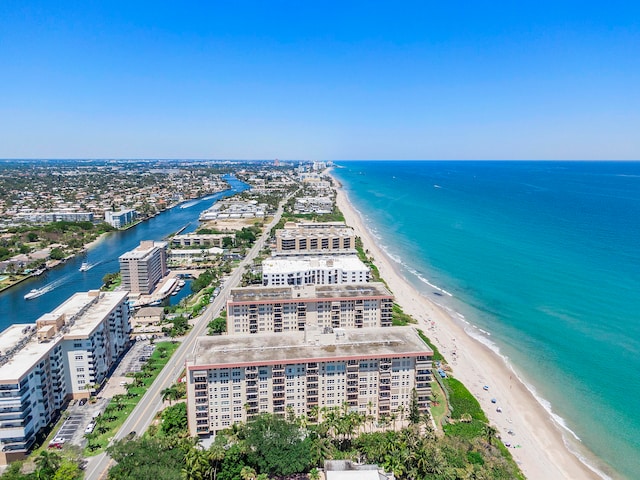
point(541, 451)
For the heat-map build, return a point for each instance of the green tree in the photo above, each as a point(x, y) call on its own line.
point(170, 393)
point(217, 326)
point(14, 472)
point(145, 458)
point(56, 254)
point(174, 420)
point(68, 471)
point(248, 473)
point(47, 464)
point(277, 447)
point(233, 462)
point(414, 409)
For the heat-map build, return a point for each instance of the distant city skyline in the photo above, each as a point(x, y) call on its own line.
point(332, 81)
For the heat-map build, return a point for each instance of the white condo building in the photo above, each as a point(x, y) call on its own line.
point(120, 219)
point(45, 364)
point(291, 308)
point(305, 270)
point(231, 378)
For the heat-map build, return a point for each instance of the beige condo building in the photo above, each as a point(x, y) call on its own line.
point(296, 308)
point(143, 267)
point(315, 238)
point(371, 371)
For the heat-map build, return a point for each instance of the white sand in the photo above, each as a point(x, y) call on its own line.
point(542, 453)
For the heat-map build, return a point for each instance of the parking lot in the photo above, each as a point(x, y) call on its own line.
point(82, 413)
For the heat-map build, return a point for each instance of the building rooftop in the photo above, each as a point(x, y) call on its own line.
point(308, 292)
point(142, 250)
point(85, 310)
point(293, 347)
point(19, 350)
point(150, 312)
point(293, 230)
point(19, 345)
point(284, 264)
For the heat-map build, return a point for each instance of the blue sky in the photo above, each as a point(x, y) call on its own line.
point(323, 80)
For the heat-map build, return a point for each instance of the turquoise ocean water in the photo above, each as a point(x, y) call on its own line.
point(542, 256)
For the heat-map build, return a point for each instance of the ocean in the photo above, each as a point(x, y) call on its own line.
point(542, 260)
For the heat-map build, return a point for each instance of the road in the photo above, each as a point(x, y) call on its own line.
point(144, 413)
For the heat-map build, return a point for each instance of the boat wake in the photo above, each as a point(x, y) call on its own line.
point(189, 204)
point(37, 292)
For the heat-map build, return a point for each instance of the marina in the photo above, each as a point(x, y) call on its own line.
point(67, 279)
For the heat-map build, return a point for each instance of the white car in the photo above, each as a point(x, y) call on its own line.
point(90, 428)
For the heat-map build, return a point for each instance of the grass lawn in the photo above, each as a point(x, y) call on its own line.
point(121, 406)
point(441, 410)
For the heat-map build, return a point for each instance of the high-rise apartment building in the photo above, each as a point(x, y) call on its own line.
point(45, 364)
point(371, 371)
point(282, 309)
point(143, 267)
point(315, 238)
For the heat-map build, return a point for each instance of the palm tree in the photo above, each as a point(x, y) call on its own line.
point(490, 433)
point(248, 473)
point(170, 393)
point(215, 455)
point(401, 413)
point(195, 465)
point(314, 474)
point(47, 463)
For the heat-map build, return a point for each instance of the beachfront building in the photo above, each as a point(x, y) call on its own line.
point(45, 364)
point(143, 267)
point(315, 238)
point(201, 239)
point(313, 270)
point(121, 218)
point(318, 205)
point(231, 378)
point(293, 308)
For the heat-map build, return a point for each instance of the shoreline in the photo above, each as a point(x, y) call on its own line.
point(543, 451)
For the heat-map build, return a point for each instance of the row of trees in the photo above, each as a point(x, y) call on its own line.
point(47, 466)
point(273, 446)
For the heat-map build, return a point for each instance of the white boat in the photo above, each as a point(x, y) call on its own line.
point(33, 294)
point(181, 283)
point(85, 266)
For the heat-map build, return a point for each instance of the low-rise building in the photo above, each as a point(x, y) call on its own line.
point(373, 371)
point(291, 308)
point(120, 219)
point(148, 320)
point(187, 256)
point(201, 239)
point(58, 216)
point(313, 270)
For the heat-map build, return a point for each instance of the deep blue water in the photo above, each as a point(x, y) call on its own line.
point(65, 280)
point(543, 255)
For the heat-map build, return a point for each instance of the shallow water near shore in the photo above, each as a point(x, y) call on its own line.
point(541, 256)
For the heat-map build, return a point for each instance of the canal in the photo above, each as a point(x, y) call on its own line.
point(66, 279)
